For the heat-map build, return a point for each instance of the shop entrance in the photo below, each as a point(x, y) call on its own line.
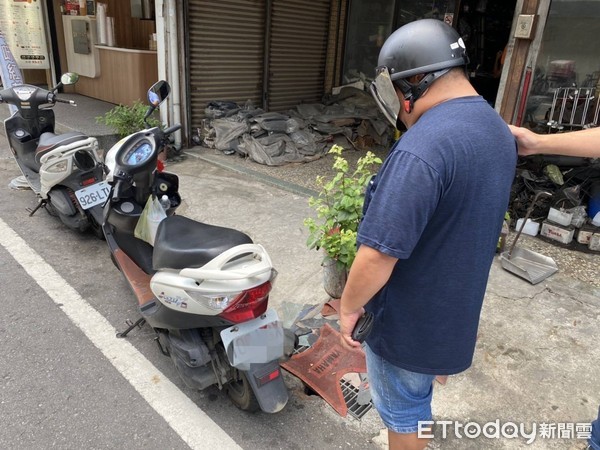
point(485, 27)
point(483, 24)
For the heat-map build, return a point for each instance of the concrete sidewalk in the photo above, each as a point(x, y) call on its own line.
point(537, 359)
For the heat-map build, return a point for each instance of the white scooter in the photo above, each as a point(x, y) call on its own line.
point(204, 289)
point(64, 170)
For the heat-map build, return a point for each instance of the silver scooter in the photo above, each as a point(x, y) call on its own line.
point(64, 170)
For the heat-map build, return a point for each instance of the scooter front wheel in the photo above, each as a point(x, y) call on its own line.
point(241, 394)
point(95, 227)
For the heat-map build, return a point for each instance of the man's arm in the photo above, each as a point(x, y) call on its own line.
point(370, 271)
point(585, 143)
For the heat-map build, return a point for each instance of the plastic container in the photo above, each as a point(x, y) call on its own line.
point(560, 217)
point(594, 242)
point(531, 228)
point(557, 232)
point(594, 203)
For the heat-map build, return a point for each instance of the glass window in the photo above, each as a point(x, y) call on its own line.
point(370, 22)
point(564, 83)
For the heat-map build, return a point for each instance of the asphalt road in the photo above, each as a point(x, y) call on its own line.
point(65, 382)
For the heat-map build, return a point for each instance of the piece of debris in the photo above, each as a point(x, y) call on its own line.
point(566, 218)
point(323, 365)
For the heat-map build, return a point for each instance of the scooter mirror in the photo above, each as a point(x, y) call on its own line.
point(69, 78)
point(158, 93)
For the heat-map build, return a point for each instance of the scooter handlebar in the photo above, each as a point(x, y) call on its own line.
point(118, 189)
point(172, 129)
point(69, 102)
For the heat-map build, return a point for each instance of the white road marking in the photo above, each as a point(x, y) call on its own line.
point(182, 415)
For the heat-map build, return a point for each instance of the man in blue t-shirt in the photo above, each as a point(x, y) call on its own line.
point(433, 215)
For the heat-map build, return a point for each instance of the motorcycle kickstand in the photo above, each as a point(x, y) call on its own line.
point(163, 350)
point(138, 323)
point(41, 204)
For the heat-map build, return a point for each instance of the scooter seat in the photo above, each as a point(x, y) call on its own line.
point(182, 243)
point(49, 141)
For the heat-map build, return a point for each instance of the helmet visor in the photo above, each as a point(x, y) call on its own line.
point(385, 96)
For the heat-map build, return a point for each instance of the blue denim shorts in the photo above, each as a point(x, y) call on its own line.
point(402, 398)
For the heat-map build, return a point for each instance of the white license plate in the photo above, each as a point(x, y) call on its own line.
point(257, 341)
point(93, 195)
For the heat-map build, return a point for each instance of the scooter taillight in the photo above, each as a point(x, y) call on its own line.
point(248, 305)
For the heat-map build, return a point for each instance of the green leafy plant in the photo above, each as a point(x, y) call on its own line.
point(126, 120)
point(339, 207)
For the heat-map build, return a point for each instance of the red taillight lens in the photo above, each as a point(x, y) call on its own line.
point(248, 305)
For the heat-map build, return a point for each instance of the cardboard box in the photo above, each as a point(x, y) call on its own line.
point(560, 217)
point(562, 234)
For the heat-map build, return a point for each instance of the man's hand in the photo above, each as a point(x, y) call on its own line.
point(347, 322)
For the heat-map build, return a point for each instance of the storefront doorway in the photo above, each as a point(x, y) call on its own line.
point(484, 25)
point(563, 93)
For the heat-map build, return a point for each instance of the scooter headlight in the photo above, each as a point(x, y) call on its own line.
point(58, 167)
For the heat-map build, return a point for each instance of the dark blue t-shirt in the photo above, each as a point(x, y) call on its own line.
point(437, 204)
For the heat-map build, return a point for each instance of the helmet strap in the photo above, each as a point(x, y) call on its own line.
point(412, 92)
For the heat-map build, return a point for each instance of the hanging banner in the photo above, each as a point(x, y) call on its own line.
point(11, 74)
point(22, 23)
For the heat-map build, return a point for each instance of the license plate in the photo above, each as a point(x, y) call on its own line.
point(255, 342)
point(93, 195)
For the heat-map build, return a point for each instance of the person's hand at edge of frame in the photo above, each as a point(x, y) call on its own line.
point(527, 140)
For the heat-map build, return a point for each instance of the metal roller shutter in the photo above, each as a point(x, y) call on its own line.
point(226, 52)
point(297, 56)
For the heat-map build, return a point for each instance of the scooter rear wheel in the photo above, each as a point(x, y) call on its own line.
point(241, 394)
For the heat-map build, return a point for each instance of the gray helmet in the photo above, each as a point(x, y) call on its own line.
point(423, 46)
point(429, 47)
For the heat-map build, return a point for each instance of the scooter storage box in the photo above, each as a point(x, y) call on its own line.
point(125, 215)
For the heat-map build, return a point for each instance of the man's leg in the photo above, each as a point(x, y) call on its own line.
point(410, 441)
point(402, 399)
point(594, 441)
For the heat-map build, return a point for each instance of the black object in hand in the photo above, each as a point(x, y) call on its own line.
point(363, 327)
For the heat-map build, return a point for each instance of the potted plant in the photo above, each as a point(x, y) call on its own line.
point(339, 210)
point(126, 120)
